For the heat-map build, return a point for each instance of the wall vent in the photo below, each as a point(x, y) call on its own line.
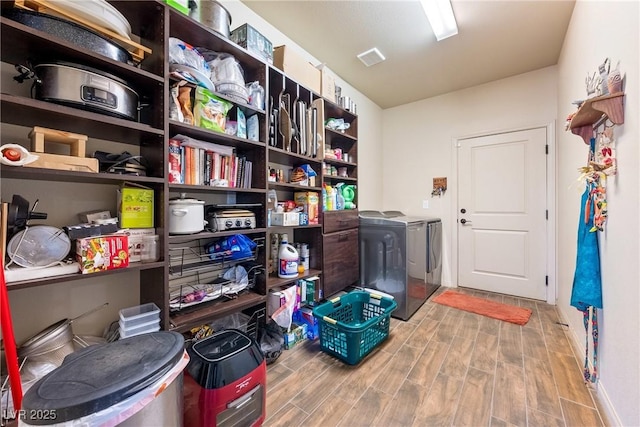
point(371, 57)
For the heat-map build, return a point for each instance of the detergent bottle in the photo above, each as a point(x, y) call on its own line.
point(349, 194)
point(287, 260)
point(330, 197)
point(324, 199)
point(339, 197)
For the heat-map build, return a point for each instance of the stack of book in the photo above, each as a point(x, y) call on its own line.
point(207, 164)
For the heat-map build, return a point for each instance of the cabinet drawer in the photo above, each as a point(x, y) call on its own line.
point(341, 260)
point(339, 220)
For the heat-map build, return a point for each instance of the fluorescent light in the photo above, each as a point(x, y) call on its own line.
point(440, 15)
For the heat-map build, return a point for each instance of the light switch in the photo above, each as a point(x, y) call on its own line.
point(425, 204)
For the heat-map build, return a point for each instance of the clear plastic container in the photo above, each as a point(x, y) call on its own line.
point(145, 328)
point(140, 314)
point(150, 249)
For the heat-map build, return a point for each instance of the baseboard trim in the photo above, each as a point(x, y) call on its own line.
point(577, 342)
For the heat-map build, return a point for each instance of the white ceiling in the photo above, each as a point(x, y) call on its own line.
point(496, 39)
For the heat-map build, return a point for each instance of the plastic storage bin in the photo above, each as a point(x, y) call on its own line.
point(133, 317)
point(145, 328)
point(352, 325)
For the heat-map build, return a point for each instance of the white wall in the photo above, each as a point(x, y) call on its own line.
point(369, 114)
point(599, 30)
point(417, 140)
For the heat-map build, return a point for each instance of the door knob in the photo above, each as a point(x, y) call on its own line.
point(464, 221)
point(463, 210)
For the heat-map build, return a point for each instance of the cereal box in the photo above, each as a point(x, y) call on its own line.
point(102, 253)
point(309, 201)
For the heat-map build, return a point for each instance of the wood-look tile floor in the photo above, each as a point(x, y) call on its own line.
point(443, 367)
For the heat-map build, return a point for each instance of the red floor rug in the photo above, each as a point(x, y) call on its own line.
point(496, 310)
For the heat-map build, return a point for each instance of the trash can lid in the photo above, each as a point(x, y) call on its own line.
point(99, 376)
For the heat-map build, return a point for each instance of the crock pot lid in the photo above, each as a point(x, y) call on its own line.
point(186, 201)
point(100, 376)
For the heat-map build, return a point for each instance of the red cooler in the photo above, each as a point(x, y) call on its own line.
point(225, 382)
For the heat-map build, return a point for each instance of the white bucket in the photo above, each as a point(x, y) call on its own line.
point(287, 261)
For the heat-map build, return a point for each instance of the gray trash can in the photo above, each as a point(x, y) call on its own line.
point(136, 381)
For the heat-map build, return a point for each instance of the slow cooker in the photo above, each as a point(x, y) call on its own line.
point(84, 87)
point(186, 215)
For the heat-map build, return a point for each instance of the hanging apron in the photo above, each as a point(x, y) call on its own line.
point(587, 283)
point(586, 294)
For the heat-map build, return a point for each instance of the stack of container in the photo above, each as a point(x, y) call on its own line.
point(140, 319)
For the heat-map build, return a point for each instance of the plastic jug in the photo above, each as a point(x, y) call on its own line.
point(287, 261)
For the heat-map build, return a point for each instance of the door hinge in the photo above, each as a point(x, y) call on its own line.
point(546, 149)
point(546, 280)
point(546, 214)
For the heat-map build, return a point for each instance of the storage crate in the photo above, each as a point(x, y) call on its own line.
point(352, 325)
point(252, 40)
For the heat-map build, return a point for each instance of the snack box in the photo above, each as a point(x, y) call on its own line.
point(102, 253)
point(309, 201)
point(135, 207)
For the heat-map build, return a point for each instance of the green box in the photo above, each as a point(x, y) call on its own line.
point(298, 334)
point(135, 207)
point(181, 5)
point(252, 40)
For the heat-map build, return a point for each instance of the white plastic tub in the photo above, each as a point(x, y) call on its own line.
point(145, 328)
point(139, 315)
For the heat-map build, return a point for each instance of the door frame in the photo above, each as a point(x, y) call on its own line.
point(551, 241)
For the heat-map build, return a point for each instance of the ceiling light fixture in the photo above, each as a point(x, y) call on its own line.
point(371, 57)
point(440, 15)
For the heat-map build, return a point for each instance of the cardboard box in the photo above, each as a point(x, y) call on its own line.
point(305, 316)
point(87, 217)
point(309, 290)
point(309, 200)
point(102, 253)
point(275, 300)
point(296, 67)
point(135, 241)
point(327, 84)
point(285, 218)
point(252, 40)
point(135, 207)
point(297, 334)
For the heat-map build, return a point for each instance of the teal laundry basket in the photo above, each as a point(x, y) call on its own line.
point(352, 325)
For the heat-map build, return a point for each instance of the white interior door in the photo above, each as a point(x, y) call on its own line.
point(502, 213)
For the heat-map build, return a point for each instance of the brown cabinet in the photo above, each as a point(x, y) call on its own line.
point(340, 227)
point(339, 220)
point(340, 259)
